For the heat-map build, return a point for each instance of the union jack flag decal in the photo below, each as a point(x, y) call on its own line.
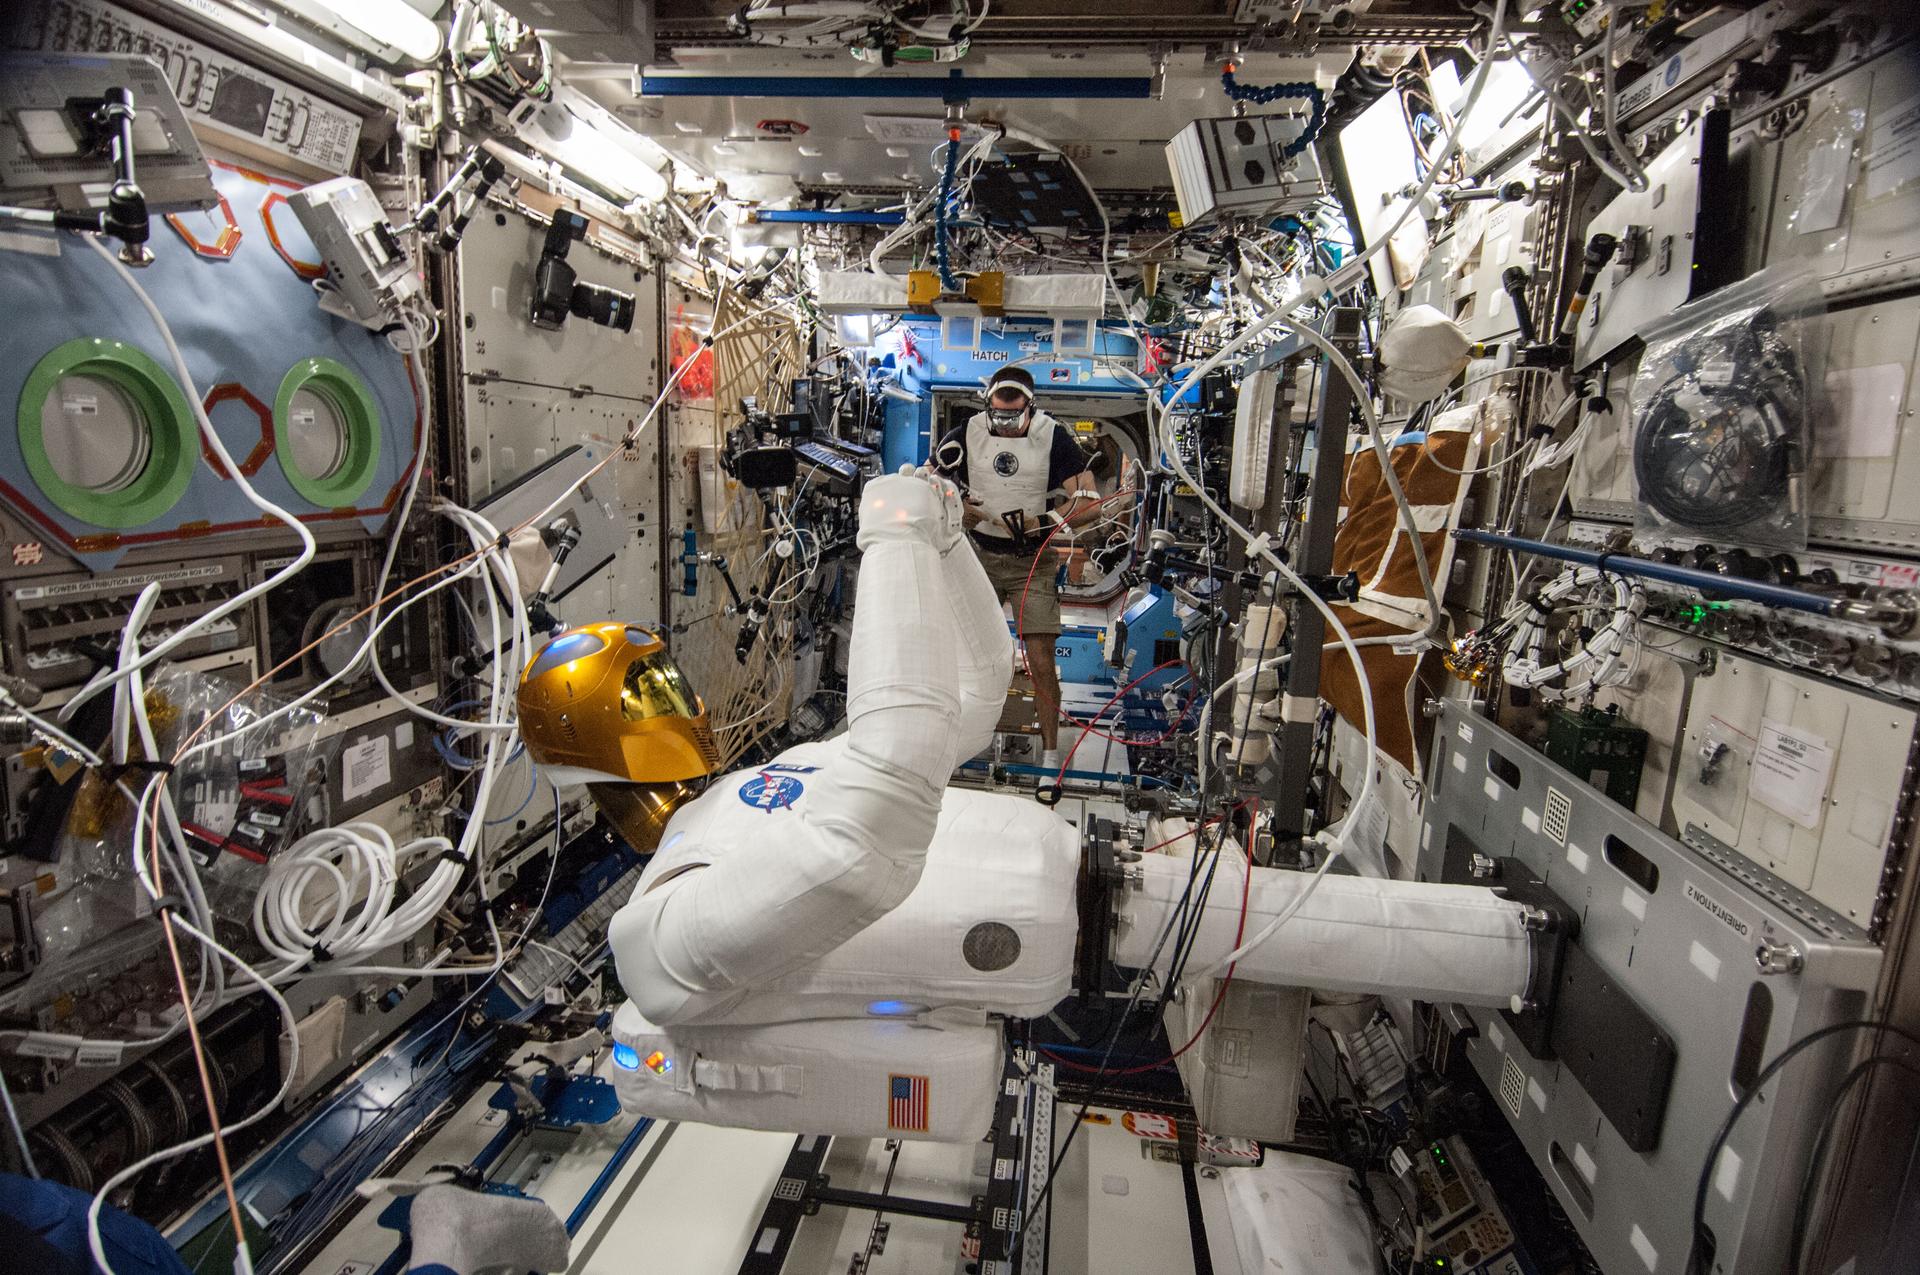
point(907, 1103)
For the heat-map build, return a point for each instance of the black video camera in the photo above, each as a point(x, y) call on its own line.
point(760, 453)
point(557, 290)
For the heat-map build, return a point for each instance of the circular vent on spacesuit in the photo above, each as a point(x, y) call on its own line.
point(991, 946)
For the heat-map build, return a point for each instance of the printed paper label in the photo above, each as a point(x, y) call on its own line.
point(366, 767)
point(1790, 772)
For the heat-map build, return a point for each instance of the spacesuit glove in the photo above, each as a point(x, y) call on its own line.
point(910, 507)
point(460, 1232)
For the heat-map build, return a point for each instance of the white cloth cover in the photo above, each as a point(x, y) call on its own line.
point(1356, 934)
point(1006, 473)
point(1297, 1215)
point(763, 875)
point(454, 1229)
point(876, 1078)
point(1420, 352)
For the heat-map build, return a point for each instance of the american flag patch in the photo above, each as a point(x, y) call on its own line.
point(907, 1103)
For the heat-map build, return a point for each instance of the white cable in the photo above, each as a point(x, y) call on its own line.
point(1631, 177)
point(1528, 447)
point(53, 732)
point(1635, 173)
point(1350, 271)
point(356, 917)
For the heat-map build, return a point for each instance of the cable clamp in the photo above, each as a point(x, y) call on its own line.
point(320, 953)
point(167, 903)
point(451, 855)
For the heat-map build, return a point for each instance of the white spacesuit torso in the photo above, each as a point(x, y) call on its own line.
point(989, 925)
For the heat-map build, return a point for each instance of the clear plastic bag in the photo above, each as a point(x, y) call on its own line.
point(255, 790)
point(259, 786)
point(1722, 415)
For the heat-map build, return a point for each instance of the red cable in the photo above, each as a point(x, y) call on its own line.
point(1086, 728)
point(1239, 933)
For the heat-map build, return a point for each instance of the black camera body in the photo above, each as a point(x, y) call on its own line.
point(558, 291)
point(760, 452)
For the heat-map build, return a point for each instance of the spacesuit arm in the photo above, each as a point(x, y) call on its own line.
point(856, 848)
point(985, 647)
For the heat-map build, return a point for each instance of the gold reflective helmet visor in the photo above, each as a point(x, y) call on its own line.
point(605, 705)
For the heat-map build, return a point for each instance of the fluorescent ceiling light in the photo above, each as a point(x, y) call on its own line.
point(1507, 87)
point(599, 149)
point(391, 22)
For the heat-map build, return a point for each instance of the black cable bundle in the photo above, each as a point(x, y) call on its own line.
point(1717, 448)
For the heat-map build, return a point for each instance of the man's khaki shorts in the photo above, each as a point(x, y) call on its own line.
point(1008, 571)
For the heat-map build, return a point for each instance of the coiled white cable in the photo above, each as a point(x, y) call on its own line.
point(329, 896)
point(1526, 664)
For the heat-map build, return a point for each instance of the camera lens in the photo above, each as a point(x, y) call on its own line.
point(605, 306)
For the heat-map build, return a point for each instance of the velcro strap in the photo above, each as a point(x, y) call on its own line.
point(711, 1073)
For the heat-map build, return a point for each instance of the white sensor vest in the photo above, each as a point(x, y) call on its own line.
point(1005, 473)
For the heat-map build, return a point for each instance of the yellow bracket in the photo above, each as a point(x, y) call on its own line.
point(988, 290)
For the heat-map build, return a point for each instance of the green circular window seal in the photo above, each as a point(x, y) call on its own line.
point(172, 439)
point(352, 404)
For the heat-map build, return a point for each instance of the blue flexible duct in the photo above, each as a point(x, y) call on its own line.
point(948, 282)
point(1262, 95)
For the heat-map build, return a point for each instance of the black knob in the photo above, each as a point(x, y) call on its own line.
point(1740, 564)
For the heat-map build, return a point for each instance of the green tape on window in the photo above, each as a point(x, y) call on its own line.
point(326, 432)
point(126, 465)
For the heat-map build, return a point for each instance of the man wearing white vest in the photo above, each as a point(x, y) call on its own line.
point(1010, 461)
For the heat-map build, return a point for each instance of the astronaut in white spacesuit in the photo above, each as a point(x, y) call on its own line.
point(820, 942)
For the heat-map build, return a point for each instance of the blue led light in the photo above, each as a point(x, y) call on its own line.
point(568, 646)
point(890, 1009)
point(626, 1056)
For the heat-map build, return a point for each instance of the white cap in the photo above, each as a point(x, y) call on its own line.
point(1420, 352)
